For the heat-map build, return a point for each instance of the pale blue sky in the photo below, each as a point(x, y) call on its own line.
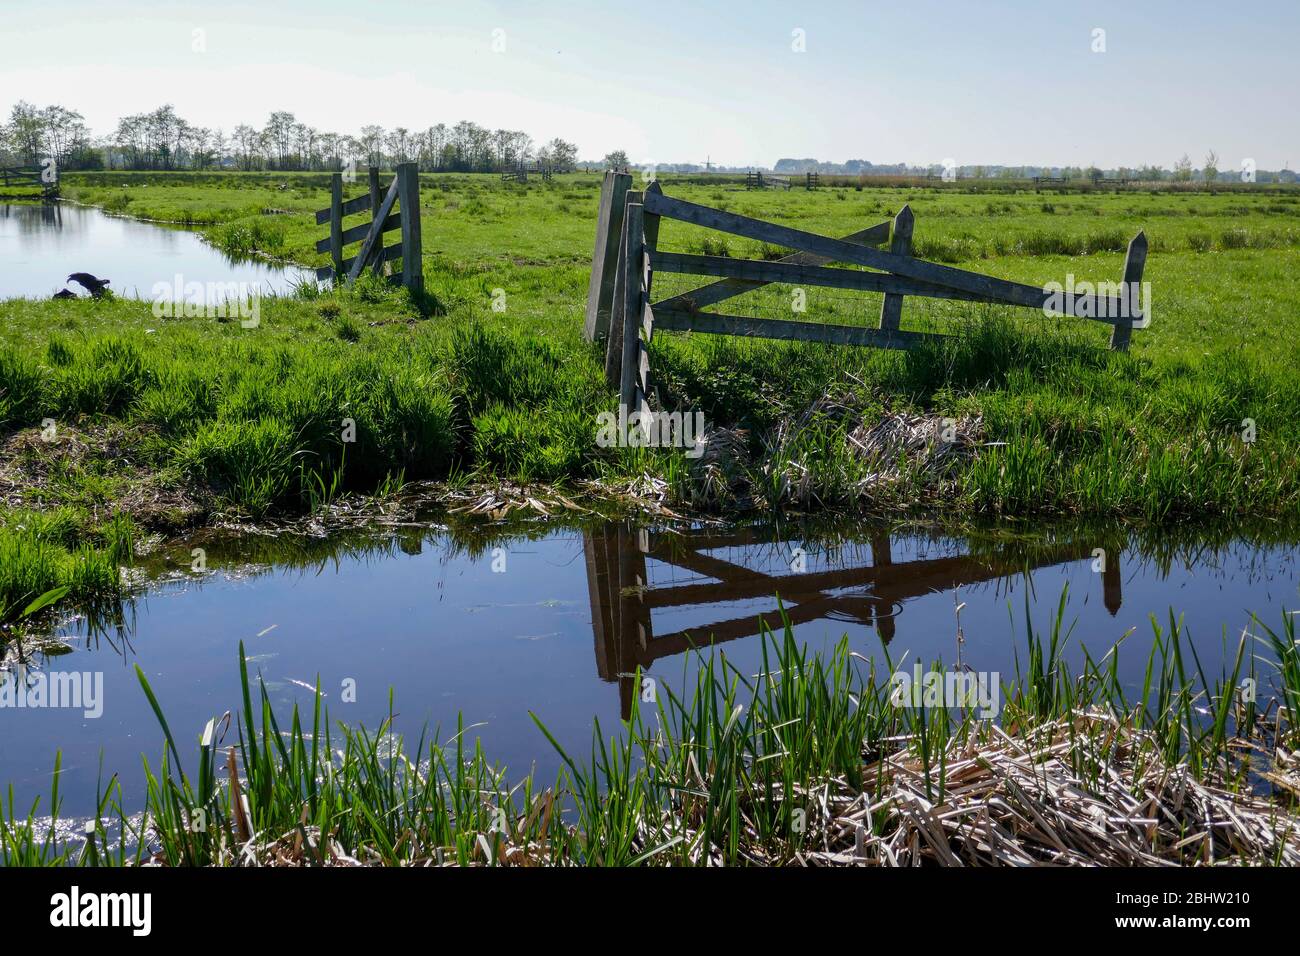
point(915, 81)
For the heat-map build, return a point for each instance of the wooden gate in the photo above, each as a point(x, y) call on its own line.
point(404, 195)
point(634, 319)
point(33, 176)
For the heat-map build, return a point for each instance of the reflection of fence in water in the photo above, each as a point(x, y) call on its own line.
point(623, 597)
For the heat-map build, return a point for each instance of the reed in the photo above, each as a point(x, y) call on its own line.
point(810, 761)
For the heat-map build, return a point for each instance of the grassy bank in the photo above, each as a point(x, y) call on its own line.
point(810, 762)
point(171, 421)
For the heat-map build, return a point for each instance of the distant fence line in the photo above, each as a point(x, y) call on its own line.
point(521, 172)
point(757, 179)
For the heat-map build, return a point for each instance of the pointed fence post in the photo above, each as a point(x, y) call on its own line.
point(618, 299)
point(408, 194)
point(614, 336)
point(633, 305)
point(604, 261)
point(336, 222)
point(891, 311)
point(1131, 294)
point(376, 200)
point(650, 227)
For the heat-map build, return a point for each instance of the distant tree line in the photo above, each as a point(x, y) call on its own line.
point(163, 140)
point(33, 133)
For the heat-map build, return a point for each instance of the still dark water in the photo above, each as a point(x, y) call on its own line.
point(551, 621)
point(42, 244)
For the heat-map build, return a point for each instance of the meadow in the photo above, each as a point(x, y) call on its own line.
point(172, 422)
point(116, 425)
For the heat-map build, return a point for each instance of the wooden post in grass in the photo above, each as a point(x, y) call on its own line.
point(376, 200)
point(614, 334)
point(408, 194)
point(1131, 295)
point(618, 299)
point(604, 261)
point(891, 311)
point(336, 222)
point(635, 375)
point(650, 225)
point(646, 320)
point(633, 306)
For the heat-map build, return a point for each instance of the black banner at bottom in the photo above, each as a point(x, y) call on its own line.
point(167, 905)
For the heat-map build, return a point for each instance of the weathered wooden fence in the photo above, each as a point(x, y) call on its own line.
point(624, 599)
point(29, 176)
point(402, 195)
point(633, 319)
point(812, 180)
point(757, 179)
point(521, 172)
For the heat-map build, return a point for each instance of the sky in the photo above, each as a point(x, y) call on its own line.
point(740, 83)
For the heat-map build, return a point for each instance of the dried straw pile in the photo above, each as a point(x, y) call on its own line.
point(884, 453)
point(1009, 801)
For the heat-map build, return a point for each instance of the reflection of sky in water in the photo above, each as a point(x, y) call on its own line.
point(41, 245)
point(448, 634)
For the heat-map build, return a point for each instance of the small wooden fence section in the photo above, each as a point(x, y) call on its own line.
point(403, 194)
point(757, 179)
point(520, 173)
point(28, 176)
point(623, 598)
point(812, 181)
point(620, 311)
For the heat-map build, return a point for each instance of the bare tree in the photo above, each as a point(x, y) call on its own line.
point(372, 139)
point(245, 140)
point(559, 154)
point(1211, 166)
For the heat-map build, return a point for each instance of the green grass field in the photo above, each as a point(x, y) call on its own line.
point(207, 416)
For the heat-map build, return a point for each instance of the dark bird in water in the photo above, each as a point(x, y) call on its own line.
point(65, 294)
point(92, 285)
